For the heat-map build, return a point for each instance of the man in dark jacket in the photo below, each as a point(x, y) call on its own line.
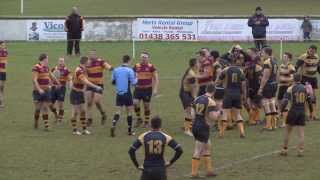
point(306, 27)
point(258, 22)
point(74, 26)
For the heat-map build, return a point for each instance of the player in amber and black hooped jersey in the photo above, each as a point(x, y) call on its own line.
point(308, 65)
point(268, 88)
point(285, 79)
point(205, 110)
point(233, 80)
point(188, 92)
point(298, 94)
point(154, 143)
point(205, 70)
point(253, 72)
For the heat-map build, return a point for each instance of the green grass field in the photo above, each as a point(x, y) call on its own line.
point(163, 7)
point(34, 154)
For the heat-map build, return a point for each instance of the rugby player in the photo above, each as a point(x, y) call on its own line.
point(154, 143)
point(268, 88)
point(205, 71)
point(188, 92)
point(308, 66)
point(253, 73)
point(147, 86)
point(77, 97)
point(58, 92)
point(123, 77)
point(41, 78)
point(233, 80)
point(3, 74)
point(285, 79)
point(205, 109)
point(298, 94)
point(94, 71)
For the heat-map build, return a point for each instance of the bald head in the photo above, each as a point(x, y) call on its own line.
point(74, 10)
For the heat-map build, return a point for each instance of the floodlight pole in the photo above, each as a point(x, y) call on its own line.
point(21, 7)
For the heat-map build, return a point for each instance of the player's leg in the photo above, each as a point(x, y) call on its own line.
point(314, 102)
point(274, 113)
point(188, 121)
point(196, 158)
point(137, 110)
point(147, 113)
point(83, 121)
point(45, 114)
point(89, 104)
point(2, 84)
point(69, 44)
point(116, 118)
point(74, 116)
point(37, 111)
point(60, 103)
point(208, 163)
point(239, 121)
point(97, 99)
point(224, 123)
point(267, 112)
point(287, 133)
point(301, 140)
point(129, 109)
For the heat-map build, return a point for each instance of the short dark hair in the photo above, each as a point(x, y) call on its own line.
point(258, 8)
point(156, 122)
point(215, 54)
point(146, 52)
point(210, 88)
point(297, 77)
point(192, 62)
point(268, 50)
point(42, 56)
point(126, 58)
point(255, 50)
point(1, 42)
point(84, 59)
point(289, 55)
point(313, 47)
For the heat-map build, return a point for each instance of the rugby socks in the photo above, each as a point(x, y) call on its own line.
point(83, 121)
point(224, 125)
point(137, 110)
point(314, 111)
point(252, 116)
point(274, 120)
point(208, 163)
point(129, 121)
point(257, 115)
point(45, 118)
point(36, 118)
point(187, 124)
point(89, 121)
point(115, 119)
point(195, 166)
point(268, 124)
point(74, 124)
point(53, 110)
point(61, 114)
point(146, 116)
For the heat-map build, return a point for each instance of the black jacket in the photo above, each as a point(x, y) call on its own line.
point(259, 25)
point(74, 24)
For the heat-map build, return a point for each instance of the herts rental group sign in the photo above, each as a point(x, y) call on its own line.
point(46, 30)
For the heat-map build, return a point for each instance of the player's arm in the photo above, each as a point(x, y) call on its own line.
point(113, 77)
point(286, 98)
point(213, 111)
point(178, 151)
point(88, 83)
point(218, 72)
point(221, 77)
point(35, 76)
point(299, 63)
point(53, 78)
point(66, 24)
point(155, 82)
point(243, 86)
point(132, 152)
point(265, 76)
point(132, 78)
point(107, 66)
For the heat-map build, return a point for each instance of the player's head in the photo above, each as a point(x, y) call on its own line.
point(61, 61)
point(84, 60)
point(312, 49)
point(215, 54)
point(2, 44)
point(144, 57)
point(266, 52)
point(287, 57)
point(258, 10)
point(297, 78)
point(156, 122)
point(93, 54)
point(43, 59)
point(74, 10)
point(210, 89)
point(204, 52)
point(194, 63)
point(126, 59)
point(252, 52)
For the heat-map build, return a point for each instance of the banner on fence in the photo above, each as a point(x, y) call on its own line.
point(45, 30)
point(165, 29)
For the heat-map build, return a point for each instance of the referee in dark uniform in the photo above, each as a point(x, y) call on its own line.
point(154, 142)
point(74, 26)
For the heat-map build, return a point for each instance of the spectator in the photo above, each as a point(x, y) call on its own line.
point(258, 22)
point(74, 27)
point(306, 27)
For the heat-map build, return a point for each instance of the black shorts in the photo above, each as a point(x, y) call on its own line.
point(124, 99)
point(3, 76)
point(154, 173)
point(76, 97)
point(232, 101)
point(313, 81)
point(201, 132)
point(296, 117)
point(143, 94)
point(58, 94)
point(202, 90)
point(186, 99)
point(94, 89)
point(270, 90)
point(219, 93)
point(45, 97)
point(282, 91)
